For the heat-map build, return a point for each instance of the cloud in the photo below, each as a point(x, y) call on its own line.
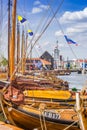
point(45, 7)
point(72, 28)
point(46, 43)
point(38, 7)
point(80, 16)
point(62, 45)
point(36, 10)
point(79, 28)
point(37, 2)
point(58, 33)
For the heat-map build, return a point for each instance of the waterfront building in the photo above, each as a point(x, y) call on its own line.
point(37, 64)
point(48, 57)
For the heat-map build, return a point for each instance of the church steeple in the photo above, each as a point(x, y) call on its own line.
point(56, 56)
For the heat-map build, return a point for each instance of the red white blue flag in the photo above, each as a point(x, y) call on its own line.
point(69, 41)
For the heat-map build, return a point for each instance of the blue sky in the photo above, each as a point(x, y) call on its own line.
point(71, 20)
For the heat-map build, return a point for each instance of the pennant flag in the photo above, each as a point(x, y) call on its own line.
point(69, 41)
point(21, 19)
point(30, 32)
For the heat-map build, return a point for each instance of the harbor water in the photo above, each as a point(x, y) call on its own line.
point(75, 80)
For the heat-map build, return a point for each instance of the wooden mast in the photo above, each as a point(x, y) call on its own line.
point(8, 38)
point(18, 43)
point(26, 45)
point(12, 42)
point(23, 53)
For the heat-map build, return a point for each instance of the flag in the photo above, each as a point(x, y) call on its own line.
point(30, 32)
point(21, 19)
point(69, 41)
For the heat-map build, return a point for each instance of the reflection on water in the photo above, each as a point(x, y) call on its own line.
point(75, 80)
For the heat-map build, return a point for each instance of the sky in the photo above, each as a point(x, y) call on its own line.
point(70, 20)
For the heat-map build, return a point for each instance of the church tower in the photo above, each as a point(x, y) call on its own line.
point(56, 57)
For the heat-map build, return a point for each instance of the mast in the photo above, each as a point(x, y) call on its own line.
point(18, 43)
point(26, 45)
point(12, 43)
point(23, 53)
point(8, 38)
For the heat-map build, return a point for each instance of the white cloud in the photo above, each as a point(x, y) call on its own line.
point(80, 16)
point(37, 2)
point(36, 10)
point(79, 28)
point(58, 33)
point(62, 45)
point(38, 7)
point(46, 43)
point(72, 30)
point(45, 7)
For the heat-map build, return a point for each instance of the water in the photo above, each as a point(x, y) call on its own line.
point(75, 80)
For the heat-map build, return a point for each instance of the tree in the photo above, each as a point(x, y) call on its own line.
point(4, 61)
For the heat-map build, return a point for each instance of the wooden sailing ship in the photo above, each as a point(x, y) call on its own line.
point(31, 114)
point(30, 117)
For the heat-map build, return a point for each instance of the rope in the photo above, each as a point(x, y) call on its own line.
point(70, 125)
point(3, 110)
point(39, 25)
point(42, 120)
point(2, 107)
point(47, 25)
point(39, 36)
point(41, 123)
point(62, 30)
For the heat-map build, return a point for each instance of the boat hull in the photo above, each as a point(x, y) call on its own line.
point(31, 119)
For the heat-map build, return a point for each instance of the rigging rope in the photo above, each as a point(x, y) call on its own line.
point(42, 19)
point(42, 118)
point(47, 25)
point(44, 121)
point(62, 30)
point(70, 125)
point(41, 123)
point(39, 35)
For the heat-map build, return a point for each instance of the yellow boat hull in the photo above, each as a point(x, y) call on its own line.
point(49, 94)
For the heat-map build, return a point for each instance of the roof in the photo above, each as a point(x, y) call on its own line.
point(46, 55)
point(44, 62)
point(82, 60)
